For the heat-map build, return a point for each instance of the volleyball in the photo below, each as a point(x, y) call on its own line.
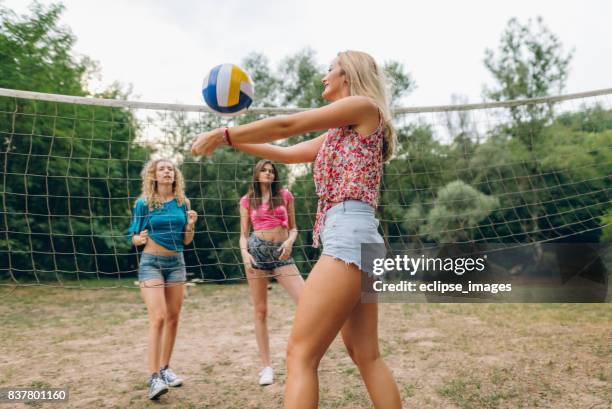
point(228, 89)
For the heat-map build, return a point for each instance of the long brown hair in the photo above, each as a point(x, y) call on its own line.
point(366, 78)
point(254, 193)
point(149, 184)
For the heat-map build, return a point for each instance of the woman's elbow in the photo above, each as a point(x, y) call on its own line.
point(285, 127)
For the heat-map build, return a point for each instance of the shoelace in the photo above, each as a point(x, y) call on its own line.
point(156, 382)
point(168, 374)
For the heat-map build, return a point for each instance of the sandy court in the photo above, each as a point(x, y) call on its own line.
point(443, 355)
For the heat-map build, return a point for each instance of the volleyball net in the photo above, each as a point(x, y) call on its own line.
point(516, 172)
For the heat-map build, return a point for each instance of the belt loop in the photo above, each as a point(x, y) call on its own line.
point(344, 206)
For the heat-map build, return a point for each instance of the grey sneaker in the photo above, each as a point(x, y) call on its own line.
point(157, 387)
point(170, 377)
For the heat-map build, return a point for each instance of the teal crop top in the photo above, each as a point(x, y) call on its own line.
point(166, 225)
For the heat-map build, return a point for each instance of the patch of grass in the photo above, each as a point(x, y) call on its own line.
point(410, 310)
point(351, 397)
point(350, 371)
point(602, 351)
point(183, 403)
point(424, 356)
point(385, 347)
point(39, 385)
point(469, 392)
point(408, 390)
point(570, 314)
point(404, 344)
point(7, 376)
point(207, 368)
point(499, 376)
point(142, 385)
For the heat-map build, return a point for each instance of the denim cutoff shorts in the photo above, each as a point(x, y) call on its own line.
point(171, 269)
point(266, 253)
point(346, 226)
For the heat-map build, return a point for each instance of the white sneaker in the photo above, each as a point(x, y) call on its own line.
point(170, 377)
point(266, 376)
point(157, 387)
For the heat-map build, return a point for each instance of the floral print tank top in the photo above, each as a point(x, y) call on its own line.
point(348, 166)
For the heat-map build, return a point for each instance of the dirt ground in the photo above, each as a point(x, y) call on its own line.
point(443, 355)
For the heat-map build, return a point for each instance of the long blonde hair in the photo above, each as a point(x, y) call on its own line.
point(149, 184)
point(366, 78)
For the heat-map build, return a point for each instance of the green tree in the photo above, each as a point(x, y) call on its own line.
point(268, 86)
point(300, 76)
point(530, 62)
point(69, 172)
point(606, 220)
point(400, 82)
point(575, 170)
point(409, 182)
point(456, 213)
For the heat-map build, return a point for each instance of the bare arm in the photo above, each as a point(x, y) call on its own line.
point(303, 152)
point(192, 216)
point(287, 245)
point(353, 110)
point(293, 232)
point(245, 227)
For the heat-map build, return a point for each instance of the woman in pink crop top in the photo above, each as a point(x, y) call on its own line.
point(347, 170)
point(268, 208)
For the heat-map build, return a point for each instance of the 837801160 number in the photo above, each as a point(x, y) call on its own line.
point(33, 395)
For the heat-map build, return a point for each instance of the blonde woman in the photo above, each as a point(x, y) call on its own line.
point(269, 210)
point(163, 223)
point(347, 170)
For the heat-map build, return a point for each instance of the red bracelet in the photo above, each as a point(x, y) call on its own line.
point(226, 136)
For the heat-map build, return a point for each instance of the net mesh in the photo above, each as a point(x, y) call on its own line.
point(517, 172)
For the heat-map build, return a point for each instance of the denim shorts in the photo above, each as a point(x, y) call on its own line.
point(346, 226)
point(266, 253)
point(170, 269)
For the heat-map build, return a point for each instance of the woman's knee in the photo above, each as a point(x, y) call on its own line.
point(301, 354)
point(362, 357)
point(261, 312)
point(172, 317)
point(157, 318)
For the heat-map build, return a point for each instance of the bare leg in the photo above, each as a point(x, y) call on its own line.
point(152, 292)
point(258, 286)
point(330, 295)
point(360, 335)
point(174, 301)
point(291, 280)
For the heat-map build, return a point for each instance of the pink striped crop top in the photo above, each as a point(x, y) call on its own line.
point(264, 219)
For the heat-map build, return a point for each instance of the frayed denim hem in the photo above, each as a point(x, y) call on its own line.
point(347, 262)
point(357, 264)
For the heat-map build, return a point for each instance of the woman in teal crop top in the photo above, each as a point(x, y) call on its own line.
point(163, 223)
